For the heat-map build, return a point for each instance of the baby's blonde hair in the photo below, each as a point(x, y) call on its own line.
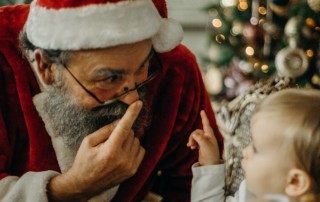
point(300, 111)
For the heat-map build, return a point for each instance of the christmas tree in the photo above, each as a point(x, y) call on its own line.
point(252, 40)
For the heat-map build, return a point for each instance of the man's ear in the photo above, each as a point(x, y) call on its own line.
point(298, 183)
point(43, 68)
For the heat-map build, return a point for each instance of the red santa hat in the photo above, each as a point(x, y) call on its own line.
point(89, 24)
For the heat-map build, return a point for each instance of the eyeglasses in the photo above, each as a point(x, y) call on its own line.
point(150, 77)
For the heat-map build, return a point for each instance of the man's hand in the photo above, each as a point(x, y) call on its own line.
point(206, 142)
point(105, 158)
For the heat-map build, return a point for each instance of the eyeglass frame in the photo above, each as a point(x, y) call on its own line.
point(150, 77)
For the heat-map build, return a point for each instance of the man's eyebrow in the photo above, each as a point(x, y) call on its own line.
point(111, 71)
point(108, 71)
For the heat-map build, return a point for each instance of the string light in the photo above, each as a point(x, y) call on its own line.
point(309, 53)
point(262, 21)
point(264, 68)
point(315, 79)
point(249, 51)
point(220, 38)
point(256, 65)
point(254, 21)
point(262, 10)
point(310, 22)
point(243, 5)
point(228, 3)
point(216, 23)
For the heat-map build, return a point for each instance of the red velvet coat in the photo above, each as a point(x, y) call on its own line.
point(177, 96)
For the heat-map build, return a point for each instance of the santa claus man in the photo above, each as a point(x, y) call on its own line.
point(97, 100)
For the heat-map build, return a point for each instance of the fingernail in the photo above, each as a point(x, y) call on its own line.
point(139, 103)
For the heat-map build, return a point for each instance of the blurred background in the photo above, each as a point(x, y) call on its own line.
point(11, 2)
point(194, 19)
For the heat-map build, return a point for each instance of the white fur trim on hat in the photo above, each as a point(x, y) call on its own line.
point(170, 34)
point(100, 26)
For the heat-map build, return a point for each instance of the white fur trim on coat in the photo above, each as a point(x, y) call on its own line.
point(98, 26)
point(30, 187)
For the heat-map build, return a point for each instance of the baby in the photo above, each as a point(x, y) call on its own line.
point(281, 164)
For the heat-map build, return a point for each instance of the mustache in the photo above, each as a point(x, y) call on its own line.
point(114, 109)
point(117, 109)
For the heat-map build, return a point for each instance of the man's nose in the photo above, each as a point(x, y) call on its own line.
point(131, 97)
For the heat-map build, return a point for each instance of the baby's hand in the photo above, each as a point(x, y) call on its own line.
point(206, 142)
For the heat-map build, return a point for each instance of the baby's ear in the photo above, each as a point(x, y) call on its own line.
point(298, 183)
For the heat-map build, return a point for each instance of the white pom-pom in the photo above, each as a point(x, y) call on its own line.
point(291, 62)
point(169, 36)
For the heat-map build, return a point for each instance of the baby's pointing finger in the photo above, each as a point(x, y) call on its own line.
point(206, 124)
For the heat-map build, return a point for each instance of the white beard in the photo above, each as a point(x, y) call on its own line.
point(65, 152)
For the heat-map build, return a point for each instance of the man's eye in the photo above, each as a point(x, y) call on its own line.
point(113, 78)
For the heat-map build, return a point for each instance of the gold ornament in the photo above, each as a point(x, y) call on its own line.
point(220, 38)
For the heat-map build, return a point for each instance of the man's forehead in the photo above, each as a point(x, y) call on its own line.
point(100, 61)
point(118, 50)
